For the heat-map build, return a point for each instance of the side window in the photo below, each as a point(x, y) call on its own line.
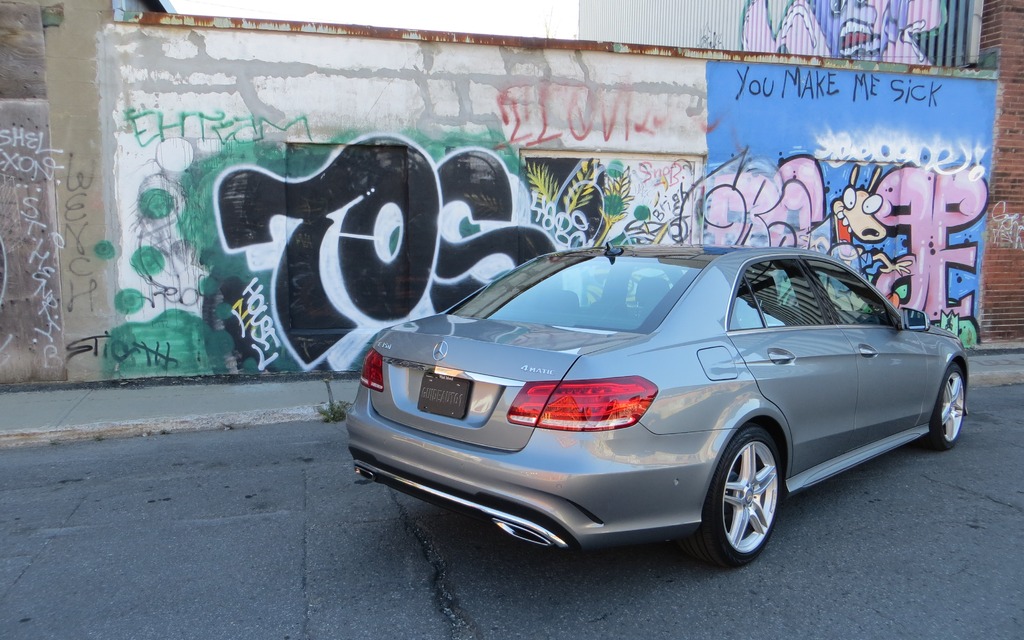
point(853, 301)
point(744, 310)
point(784, 294)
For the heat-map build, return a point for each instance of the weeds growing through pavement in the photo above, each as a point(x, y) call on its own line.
point(333, 411)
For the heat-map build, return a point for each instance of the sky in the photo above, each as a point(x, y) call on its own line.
point(528, 18)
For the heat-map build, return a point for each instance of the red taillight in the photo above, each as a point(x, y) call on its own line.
point(373, 371)
point(583, 405)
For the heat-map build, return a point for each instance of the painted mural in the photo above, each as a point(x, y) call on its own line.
point(584, 202)
point(251, 256)
point(272, 220)
point(254, 254)
point(861, 166)
point(880, 30)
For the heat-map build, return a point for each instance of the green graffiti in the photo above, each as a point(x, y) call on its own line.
point(222, 311)
point(128, 301)
point(467, 228)
point(156, 204)
point(208, 286)
point(175, 343)
point(204, 337)
point(965, 328)
point(396, 236)
point(105, 250)
point(616, 169)
point(148, 261)
point(151, 125)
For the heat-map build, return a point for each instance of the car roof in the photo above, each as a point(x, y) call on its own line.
point(702, 253)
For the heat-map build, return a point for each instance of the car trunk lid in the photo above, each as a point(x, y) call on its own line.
point(456, 377)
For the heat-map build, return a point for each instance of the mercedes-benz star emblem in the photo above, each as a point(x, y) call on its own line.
point(440, 350)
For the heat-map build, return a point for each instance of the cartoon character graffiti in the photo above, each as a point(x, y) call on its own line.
point(855, 217)
point(882, 30)
point(378, 235)
point(912, 232)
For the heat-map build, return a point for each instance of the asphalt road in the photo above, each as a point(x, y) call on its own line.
point(265, 533)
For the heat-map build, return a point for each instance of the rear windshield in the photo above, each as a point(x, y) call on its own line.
point(586, 291)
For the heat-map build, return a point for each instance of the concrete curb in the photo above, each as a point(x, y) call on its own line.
point(156, 426)
point(152, 426)
point(995, 379)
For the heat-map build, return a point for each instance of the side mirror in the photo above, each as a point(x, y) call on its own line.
point(914, 320)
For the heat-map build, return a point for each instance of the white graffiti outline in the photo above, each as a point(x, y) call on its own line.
point(1010, 230)
point(885, 146)
point(892, 147)
point(343, 353)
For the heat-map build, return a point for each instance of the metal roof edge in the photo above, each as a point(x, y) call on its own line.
point(386, 33)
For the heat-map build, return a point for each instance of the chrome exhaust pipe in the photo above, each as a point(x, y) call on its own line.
point(514, 526)
point(522, 533)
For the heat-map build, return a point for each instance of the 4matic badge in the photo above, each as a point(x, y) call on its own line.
point(528, 369)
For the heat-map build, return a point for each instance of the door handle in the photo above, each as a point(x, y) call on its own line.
point(867, 350)
point(780, 356)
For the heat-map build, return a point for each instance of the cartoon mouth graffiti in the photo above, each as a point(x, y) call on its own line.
point(855, 212)
point(856, 218)
point(858, 39)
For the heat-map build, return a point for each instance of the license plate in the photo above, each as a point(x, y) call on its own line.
point(444, 395)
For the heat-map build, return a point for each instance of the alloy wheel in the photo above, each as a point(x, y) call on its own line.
point(953, 406)
point(751, 496)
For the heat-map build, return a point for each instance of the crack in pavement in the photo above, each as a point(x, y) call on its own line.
point(971, 492)
point(305, 554)
point(46, 543)
point(460, 624)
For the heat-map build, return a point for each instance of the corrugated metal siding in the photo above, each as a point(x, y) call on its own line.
point(668, 23)
point(838, 28)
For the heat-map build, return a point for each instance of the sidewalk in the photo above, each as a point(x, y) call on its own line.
point(66, 412)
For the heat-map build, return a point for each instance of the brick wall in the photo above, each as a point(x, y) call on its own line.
point(1002, 304)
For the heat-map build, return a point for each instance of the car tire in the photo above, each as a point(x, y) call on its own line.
point(739, 511)
point(949, 412)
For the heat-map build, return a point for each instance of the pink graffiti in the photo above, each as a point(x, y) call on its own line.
point(750, 202)
point(665, 176)
point(925, 207)
point(535, 114)
point(883, 30)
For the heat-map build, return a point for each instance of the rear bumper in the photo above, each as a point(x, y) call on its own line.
point(567, 490)
point(516, 526)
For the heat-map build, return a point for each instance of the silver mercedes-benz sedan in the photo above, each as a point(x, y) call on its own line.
point(617, 396)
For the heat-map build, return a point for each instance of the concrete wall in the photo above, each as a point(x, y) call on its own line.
point(281, 197)
point(260, 200)
point(49, 203)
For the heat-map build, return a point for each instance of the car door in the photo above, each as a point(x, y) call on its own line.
point(802, 363)
point(892, 367)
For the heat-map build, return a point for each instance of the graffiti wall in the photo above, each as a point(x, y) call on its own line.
point(270, 200)
point(31, 320)
point(31, 325)
point(272, 218)
point(863, 166)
